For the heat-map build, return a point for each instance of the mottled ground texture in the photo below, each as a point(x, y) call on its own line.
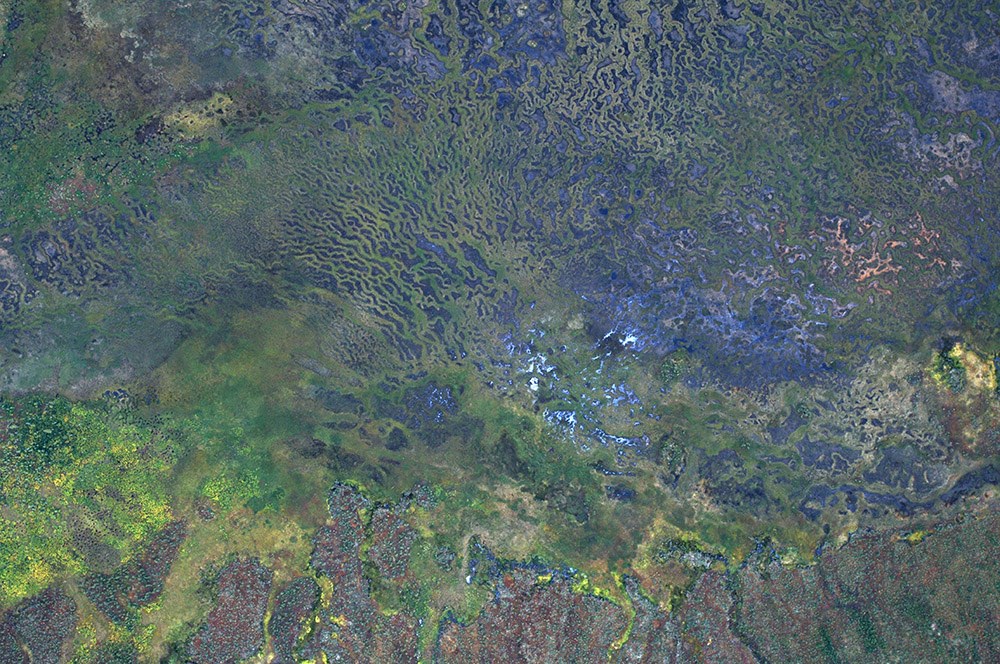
point(634, 331)
point(881, 596)
point(234, 628)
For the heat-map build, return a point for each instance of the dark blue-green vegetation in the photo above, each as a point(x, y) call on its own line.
point(626, 313)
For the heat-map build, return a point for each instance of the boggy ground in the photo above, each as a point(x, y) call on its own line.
point(646, 294)
point(856, 603)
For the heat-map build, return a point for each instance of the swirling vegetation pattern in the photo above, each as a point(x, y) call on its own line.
point(620, 329)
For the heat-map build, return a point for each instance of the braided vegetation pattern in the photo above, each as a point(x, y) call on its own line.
point(634, 285)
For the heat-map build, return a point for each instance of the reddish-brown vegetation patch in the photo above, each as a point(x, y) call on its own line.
point(351, 628)
point(706, 619)
point(140, 582)
point(71, 193)
point(532, 622)
point(38, 629)
point(654, 637)
point(392, 539)
point(882, 598)
point(234, 628)
point(293, 607)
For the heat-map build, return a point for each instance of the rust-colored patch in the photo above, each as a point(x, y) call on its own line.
point(71, 193)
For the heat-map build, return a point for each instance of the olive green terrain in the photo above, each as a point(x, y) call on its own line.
point(651, 320)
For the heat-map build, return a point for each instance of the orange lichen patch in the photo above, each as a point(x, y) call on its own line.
point(870, 260)
point(857, 263)
point(875, 265)
point(878, 289)
point(924, 235)
point(838, 241)
point(932, 261)
point(926, 239)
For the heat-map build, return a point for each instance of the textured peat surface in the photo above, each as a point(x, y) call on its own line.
point(412, 331)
